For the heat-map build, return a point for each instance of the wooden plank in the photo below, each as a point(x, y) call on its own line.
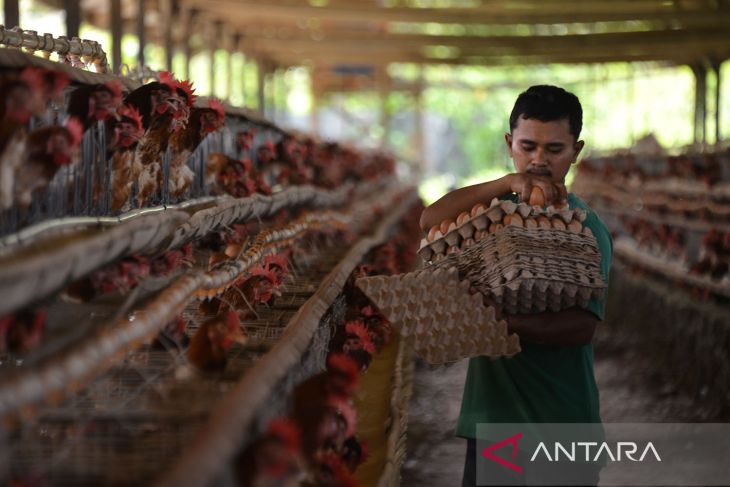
point(255, 11)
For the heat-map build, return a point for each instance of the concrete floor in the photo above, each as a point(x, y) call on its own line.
point(629, 389)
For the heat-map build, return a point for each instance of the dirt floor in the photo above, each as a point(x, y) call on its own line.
point(629, 387)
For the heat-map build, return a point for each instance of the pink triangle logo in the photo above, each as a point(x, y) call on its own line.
point(512, 440)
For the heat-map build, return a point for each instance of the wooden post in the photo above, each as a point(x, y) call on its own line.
point(700, 73)
point(716, 67)
point(12, 13)
point(244, 60)
point(140, 32)
point(189, 21)
point(261, 85)
point(314, 111)
point(168, 11)
point(116, 28)
point(212, 45)
point(73, 17)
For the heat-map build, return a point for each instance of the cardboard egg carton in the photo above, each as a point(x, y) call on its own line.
point(530, 270)
point(434, 310)
point(470, 227)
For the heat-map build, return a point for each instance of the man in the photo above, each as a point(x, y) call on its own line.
point(551, 380)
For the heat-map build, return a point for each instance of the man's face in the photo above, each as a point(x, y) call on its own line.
point(543, 148)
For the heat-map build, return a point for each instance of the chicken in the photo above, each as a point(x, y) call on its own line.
point(244, 141)
point(48, 149)
point(260, 287)
point(293, 153)
point(95, 103)
point(338, 382)
point(210, 344)
point(202, 121)
point(164, 107)
point(332, 472)
point(278, 263)
point(172, 335)
point(172, 259)
point(237, 178)
point(18, 101)
point(22, 332)
point(127, 129)
point(273, 459)
point(121, 276)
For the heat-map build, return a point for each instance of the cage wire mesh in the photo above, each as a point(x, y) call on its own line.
point(85, 188)
point(136, 418)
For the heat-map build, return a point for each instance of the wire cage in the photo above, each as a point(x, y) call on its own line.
point(133, 420)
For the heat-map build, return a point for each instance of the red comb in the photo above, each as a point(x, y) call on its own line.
point(130, 113)
point(339, 362)
point(116, 89)
point(58, 79)
point(215, 104)
point(187, 88)
point(265, 272)
point(287, 431)
point(358, 328)
point(33, 77)
point(167, 78)
point(75, 130)
point(277, 260)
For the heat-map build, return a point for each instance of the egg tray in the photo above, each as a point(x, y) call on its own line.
point(531, 270)
point(470, 227)
point(434, 310)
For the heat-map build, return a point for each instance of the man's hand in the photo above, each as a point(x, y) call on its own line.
point(522, 184)
point(568, 327)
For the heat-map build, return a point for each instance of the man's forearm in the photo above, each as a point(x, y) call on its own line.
point(569, 327)
point(464, 199)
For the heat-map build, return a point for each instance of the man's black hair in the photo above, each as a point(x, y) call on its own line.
point(548, 103)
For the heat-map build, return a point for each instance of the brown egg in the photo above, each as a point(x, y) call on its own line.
point(530, 222)
point(444, 227)
point(575, 226)
point(463, 216)
point(475, 209)
point(558, 223)
point(515, 221)
point(543, 222)
point(432, 233)
point(537, 197)
point(478, 235)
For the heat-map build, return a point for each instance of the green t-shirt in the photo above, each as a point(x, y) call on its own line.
point(541, 384)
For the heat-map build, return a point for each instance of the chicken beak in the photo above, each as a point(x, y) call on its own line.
point(240, 338)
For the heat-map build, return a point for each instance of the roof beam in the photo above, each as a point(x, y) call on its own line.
point(361, 40)
point(256, 11)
